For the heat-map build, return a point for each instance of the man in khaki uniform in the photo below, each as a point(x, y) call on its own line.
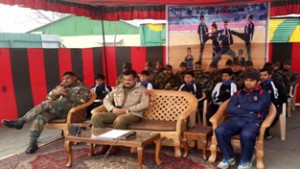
point(60, 100)
point(125, 105)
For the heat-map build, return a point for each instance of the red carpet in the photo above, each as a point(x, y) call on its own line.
point(53, 156)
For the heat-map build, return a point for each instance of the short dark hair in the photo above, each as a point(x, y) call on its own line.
point(69, 73)
point(225, 21)
point(145, 72)
point(189, 48)
point(250, 17)
point(130, 72)
point(249, 63)
point(214, 25)
point(190, 73)
point(99, 76)
point(266, 70)
point(201, 16)
point(227, 71)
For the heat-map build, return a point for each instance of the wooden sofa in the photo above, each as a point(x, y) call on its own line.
point(167, 114)
point(219, 118)
point(75, 115)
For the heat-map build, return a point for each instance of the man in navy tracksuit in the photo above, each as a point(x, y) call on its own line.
point(202, 31)
point(246, 109)
point(277, 93)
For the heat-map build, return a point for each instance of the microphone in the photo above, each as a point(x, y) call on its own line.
point(128, 135)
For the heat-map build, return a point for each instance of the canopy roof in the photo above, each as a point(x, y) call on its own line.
point(140, 9)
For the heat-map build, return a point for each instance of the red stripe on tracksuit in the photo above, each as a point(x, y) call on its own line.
point(8, 107)
point(295, 65)
point(88, 66)
point(65, 61)
point(37, 74)
point(138, 58)
point(111, 65)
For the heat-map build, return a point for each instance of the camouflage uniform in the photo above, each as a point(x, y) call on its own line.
point(238, 79)
point(290, 78)
point(207, 80)
point(180, 75)
point(56, 106)
point(171, 83)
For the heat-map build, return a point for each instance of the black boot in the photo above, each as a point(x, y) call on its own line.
point(32, 148)
point(18, 124)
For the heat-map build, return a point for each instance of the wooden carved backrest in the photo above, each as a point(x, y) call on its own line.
point(167, 105)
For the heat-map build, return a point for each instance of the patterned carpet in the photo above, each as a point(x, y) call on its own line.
point(53, 156)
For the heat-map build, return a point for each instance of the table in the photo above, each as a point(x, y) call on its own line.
point(142, 139)
point(198, 133)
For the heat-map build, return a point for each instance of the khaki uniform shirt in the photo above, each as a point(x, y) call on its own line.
point(136, 100)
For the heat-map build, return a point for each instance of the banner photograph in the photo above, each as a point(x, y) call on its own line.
point(217, 33)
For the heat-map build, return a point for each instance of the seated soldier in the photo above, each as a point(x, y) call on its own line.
point(145, 79)
point(101, 89)
point(60, 100)
point(125, 105)
point(181, 72)
point(167, 80)
point(290, 77)
point(277, 93)
point(125, 66)
point(247, 109)
point(221, 92)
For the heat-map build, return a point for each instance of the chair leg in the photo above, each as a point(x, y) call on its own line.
point(294, 103)
point(177, 147)
point(213, 150)
point(260, 155)
point(282, 120)
point(289, 107)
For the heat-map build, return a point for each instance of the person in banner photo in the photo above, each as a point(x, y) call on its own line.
point(203, 32)
point(226, 41)
point(215, 37)
point(247, 35)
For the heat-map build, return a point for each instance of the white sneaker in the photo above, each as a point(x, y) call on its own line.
point(244, 165)
point(225, 163)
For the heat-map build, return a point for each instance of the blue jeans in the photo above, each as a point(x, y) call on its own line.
point(247, 131)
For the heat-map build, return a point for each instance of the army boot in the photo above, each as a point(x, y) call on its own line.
point(18, 124)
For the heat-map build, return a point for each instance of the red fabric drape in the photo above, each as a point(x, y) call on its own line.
point(285, 7)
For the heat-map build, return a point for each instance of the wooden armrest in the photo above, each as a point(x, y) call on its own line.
point(80, 107)
point(268, 121)
point(217, 117)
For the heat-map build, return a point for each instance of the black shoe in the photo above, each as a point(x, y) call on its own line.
point(32, 148)
point(18, 124)
point(268, 135)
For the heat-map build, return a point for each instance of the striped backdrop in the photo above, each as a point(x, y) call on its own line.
point(27, 75)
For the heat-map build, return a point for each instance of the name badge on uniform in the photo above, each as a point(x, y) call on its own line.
point(255, 98)
point(135, 92)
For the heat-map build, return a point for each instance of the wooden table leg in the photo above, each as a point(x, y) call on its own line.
point(91, 150)
point(185, 145)
point(157, 151)
point(69, 153)
point(204, 141)
point(140, 152)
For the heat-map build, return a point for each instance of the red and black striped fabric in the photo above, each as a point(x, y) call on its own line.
point(27, 75)
point(285, 7)
point(139, 9)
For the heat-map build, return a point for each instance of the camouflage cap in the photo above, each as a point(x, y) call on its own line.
point(168, 67)
point(127, 65)
point(183, 64)
point(213, 64)
point(148, 64)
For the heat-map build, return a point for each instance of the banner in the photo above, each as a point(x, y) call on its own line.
point(218, 33)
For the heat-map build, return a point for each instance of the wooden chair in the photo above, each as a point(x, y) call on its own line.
point(219, 118)
point(167, 114)
point(75, 115)
point(293, 100)
point(282, 122)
